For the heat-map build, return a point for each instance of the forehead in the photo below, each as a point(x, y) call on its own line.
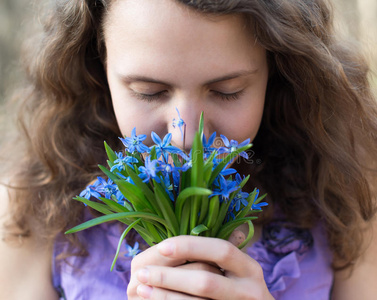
point(151, 19)
point(166, 32)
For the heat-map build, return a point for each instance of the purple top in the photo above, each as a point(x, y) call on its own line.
point(296, 264)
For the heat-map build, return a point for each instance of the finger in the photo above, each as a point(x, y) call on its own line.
point(193, 282)
point(134, 282)
point(152, 256)
point(148, 292)
point(201, 267)
point(220, 252)
point(237, 237)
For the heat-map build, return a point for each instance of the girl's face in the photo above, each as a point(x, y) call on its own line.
point(162, 55)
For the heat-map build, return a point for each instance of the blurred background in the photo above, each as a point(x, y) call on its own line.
point(20, 18)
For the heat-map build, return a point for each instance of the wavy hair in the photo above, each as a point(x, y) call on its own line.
point(317, 139)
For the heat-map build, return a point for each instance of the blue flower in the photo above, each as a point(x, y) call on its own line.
point(257, 206)
point(239, 178)
point(106, 188)
point(207, 144)
point(121, 161)
point(226, 188)
point(188, 164)
point(233, 146)
point(118, 196)
point(132, 252)
point(149, 170)
point(228, 171)
point(168, 169)
point(162, 147)
point(230, 214)
point(170, 172)
point(179, 123)
point(169, 187)
point(135, 142)
point(128, 179)
point(90, 191)
point(239, 199)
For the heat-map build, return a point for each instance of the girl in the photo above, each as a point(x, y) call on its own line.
point(272, 71)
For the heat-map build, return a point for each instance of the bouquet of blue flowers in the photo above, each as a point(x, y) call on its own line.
point(162, 192)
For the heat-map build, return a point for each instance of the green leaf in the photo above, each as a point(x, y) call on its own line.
point(227, 229)
point(249, 235)
point(207, 172)
point(127, 230)
point(209, 160)
point(119, 217)
point(220, 217)
point(134, 195)
point(185, 194)
point(152, 230)
point(107, 172)
point(146, 191)
point(153, 153)
point(204, 208)
point(197, 162)
point(198, 229)
point(114, 206)
point(214, 205)
point(196, 177)
point(95, 205)
point(185, 180)
point(110, 153)
point(201, 125)
point(176, 159)
point(166, 208)
point(185, 218)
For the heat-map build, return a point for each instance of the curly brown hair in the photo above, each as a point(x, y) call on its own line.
point(317, 139)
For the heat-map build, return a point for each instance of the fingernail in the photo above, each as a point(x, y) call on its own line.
point(166, 248)
point(144, 291)
point(143, 275)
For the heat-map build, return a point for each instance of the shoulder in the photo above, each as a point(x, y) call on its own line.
point(25, 265)
point(360, 281)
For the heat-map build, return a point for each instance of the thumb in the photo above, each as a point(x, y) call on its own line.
point(237, 237)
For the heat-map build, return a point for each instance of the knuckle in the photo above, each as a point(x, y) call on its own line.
point(248, 296)
point(206, 284)
point(227, 252)
point(157, 278)
point(258, 272)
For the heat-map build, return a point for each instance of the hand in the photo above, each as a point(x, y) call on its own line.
point(155, 273)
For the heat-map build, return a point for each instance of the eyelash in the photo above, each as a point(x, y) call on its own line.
point(157, 96)
point(150, 98)
point(228, 97)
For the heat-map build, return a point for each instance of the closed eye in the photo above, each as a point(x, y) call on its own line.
point(226, 96)
point(150, 97)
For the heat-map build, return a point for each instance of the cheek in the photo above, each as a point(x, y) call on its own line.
point(130, 114)
point(241, 124)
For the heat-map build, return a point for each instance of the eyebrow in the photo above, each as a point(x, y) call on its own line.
point(129, 78)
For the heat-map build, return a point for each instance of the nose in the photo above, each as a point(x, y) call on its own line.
point(189, 112)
